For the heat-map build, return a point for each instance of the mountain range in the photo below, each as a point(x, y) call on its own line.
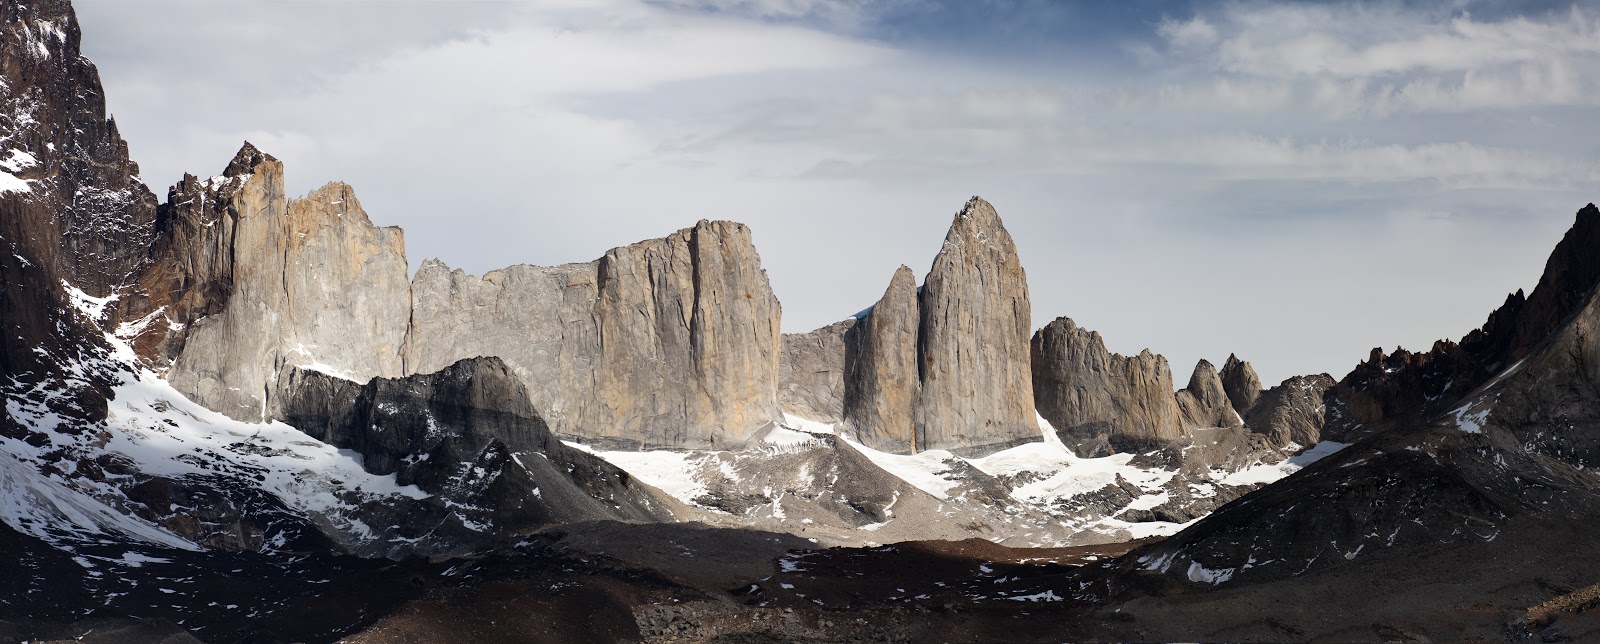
point(236, 415)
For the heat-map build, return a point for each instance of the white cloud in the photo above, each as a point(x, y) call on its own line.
point(1349, 59)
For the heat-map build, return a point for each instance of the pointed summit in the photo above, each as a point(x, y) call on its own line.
point(1204, 403)
point(977, 392)
point(247, 160)
point(1241, 383)
point(881, 382)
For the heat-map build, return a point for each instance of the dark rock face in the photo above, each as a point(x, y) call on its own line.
point(1205, 403)
point(71, 207)
point(1504, 470)
point(70, 165)
point(976, 394)
point(1241, 384)
point(468, 436)
point(881, 370)
point(1390, 389)
point(1292, 412)
point(811, 372)
point(1100, 402)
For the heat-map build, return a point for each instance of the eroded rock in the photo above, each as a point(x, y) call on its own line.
point(1101, 402)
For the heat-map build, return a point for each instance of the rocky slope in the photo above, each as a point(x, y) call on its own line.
point(1500, 481)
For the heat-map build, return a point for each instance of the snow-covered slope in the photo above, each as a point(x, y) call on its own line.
point(1037, 494)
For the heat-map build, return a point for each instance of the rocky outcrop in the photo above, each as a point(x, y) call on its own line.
point(1394, 388)
point(1204, 402)
point(73, 211)
point(976, 392)
point(469, 437)
point(881, 381)
point(665, 343)
point(1241, 384)
point(313, 282)
point(1292, 412)
point(1101, 402)
point(811, 372)
point(941, 367)
point(670, 342)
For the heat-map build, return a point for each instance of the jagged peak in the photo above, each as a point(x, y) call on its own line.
point(247, 160)
point(979, 223)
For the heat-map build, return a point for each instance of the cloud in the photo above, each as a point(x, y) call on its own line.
point(1350, 59)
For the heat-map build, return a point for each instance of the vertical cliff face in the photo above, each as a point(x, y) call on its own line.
point(811, 372)
point(881, 369)
point(310, 282)
point(666, 343)
point(976, 392)
point(62, 158)
point(73, 215)
point(1100, 402)
point(941, 367)
point(670, 342)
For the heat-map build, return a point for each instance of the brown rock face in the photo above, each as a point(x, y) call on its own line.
point(1241, 384)
point(952, 358)
point(881, 370)
point(1292, 412)
point(1204, 403)
point(811, 372)
point(977, 394)
point(1100, 402)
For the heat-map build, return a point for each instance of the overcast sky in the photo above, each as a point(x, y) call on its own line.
point(1293, 182)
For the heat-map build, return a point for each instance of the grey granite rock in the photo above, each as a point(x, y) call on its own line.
point(670, 342)
point(1204, 403)
point(665, 343)
point(313, 283)
point(1240, 382)
point(811, 371)
point(977, 393)
point(881, 370)
point(1101, 402)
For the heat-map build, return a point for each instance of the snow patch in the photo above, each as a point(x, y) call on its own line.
point(92, 307)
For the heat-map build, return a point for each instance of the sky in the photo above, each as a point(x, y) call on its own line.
point(1295, 183)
